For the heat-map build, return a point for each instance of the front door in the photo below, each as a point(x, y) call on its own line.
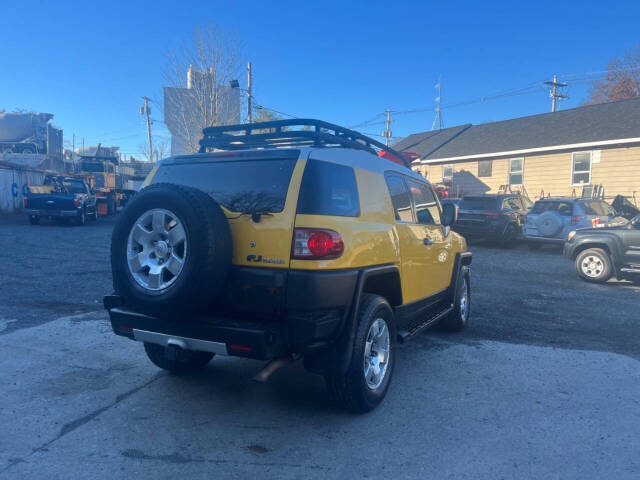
point(436, 276)
point(631, 241)
point(424, 250)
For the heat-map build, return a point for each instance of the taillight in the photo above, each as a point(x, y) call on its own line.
point(76, 201)
point(26, 202)
point(489, 213)
point(575, 219)
point(311, 243)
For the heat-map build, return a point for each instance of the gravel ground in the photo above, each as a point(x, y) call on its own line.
point(543, 383)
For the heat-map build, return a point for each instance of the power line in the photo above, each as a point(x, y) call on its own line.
point(554, 94)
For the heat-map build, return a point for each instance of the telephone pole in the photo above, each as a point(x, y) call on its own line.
point(437, 120)
point(553, 93)
point(145, 110)
point(387, 132)
point(249, 98)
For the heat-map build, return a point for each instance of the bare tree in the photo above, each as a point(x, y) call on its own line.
point(160, 149)
point(197, 92)
point(621, 82)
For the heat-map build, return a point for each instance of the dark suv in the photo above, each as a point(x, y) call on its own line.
point(493, 217)
point(612, 250)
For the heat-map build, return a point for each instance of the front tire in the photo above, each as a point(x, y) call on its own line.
point(594, 265)
point(457, 320)
point(190, 361)
point(365, 383)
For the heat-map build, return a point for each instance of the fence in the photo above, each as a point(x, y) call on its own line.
point(13, 185)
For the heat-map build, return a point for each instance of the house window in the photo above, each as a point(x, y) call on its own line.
point(581, 168)
point(447, 173)
point(485, 168)
point(516, 170)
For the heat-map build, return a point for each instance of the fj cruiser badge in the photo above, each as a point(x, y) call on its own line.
point(260, 258)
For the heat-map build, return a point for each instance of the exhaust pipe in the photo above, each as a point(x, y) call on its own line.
point(270, 368)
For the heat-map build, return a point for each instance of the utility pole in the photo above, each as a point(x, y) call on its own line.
point(553, 93)
point(387, 132)
point(73, 152)
point(437, 120)
point(249, 98)
point(145, 110)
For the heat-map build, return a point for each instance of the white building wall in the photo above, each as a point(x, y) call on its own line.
point(13, 185)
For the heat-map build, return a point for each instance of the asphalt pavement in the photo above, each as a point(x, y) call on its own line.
point(543, 383)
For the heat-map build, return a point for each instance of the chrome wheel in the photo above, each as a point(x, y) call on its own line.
point(592, 266)
point(464, 300)
point(156, 249)
point(376, 353)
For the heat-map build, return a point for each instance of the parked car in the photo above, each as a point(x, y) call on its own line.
point(551, 219)
point(493, 217)
point(60, 197)
point(328, 252)
point(612, 250)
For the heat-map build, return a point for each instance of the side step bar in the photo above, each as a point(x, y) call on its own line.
point(406, 335)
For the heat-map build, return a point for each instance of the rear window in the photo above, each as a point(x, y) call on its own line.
point(478, 203)
point(598, 208)
point(328, 189)
point(74, 186)
point(563, 208)
point(256, 185)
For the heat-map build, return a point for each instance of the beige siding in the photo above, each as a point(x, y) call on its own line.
point(618, 171)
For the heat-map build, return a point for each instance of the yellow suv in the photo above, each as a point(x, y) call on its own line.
point(288, 239)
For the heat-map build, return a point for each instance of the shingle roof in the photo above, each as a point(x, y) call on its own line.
point(592, 123)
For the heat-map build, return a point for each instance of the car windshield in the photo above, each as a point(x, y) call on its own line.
point(478, 203)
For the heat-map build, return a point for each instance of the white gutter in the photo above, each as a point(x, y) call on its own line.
point(532, 150)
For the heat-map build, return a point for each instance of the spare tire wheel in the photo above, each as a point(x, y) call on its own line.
point(170, 250)
point(549, 224)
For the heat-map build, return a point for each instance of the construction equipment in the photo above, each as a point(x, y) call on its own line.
point(29, 133)
point(101, 169)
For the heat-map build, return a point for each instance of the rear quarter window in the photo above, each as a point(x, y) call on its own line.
point(328, 189)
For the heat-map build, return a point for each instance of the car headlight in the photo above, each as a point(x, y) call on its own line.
point(571, 235)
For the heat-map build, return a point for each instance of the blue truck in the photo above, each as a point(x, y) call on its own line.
point(61, 197)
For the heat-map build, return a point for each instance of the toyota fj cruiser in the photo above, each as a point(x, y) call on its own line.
point(288, 239)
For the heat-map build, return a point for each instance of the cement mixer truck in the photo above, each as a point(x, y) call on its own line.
point(29, 133)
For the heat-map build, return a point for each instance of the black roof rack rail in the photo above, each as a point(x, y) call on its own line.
point(290, 133)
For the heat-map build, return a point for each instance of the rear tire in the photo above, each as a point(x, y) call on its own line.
point(34, 219)
point(191, 361)
point(81, 219)
point(594, 265)
point(367, 379)
point(457, 320)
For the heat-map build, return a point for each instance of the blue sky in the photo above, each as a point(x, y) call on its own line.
point(339, 61)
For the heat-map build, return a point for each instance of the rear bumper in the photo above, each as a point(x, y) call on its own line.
point(52, 213)
point(303, 312)
point(481, 231)
point(218, 335)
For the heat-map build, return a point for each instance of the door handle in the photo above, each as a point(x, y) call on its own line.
point(428, 241)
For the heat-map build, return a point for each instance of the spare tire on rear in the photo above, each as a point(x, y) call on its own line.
point(549, 224)
point(170, 251)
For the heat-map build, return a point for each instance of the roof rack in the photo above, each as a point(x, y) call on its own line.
point(299, 132)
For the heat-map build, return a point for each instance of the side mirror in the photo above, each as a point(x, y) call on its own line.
point(635, 222)
point(449, 214)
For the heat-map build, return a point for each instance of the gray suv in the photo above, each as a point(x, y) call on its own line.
point(551, 219)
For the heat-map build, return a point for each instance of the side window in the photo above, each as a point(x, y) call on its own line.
point(328, 189)
point(400, 198)
point(427, 210)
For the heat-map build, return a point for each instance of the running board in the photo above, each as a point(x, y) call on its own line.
point(406, 335)
point(630, 270)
